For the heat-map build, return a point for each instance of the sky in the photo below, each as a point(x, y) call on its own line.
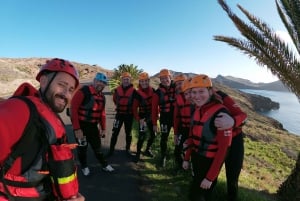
point(150, 34)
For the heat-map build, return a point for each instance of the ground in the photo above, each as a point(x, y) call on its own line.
point(125, 183)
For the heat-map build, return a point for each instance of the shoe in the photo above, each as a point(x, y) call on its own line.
point(148, 153)
point(85, 171)
point(108, 168)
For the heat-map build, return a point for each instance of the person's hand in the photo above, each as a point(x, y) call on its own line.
point(205, 184)
point(155, 129)
point(175, 139)
point(102, 133)
point(224, 121)
point(142, 122)
point(78, 134)
point(77, 197)
point(185, 165)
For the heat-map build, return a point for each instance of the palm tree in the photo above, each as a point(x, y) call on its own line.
point(262, 44)
point(115, 79)
point(132, 69)
point(265, 46)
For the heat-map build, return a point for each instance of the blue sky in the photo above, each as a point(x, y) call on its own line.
point(152, 34)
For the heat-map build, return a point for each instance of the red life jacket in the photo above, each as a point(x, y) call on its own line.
point(202, 136)
point(166, 98)
point(124, 100)
point(185, 109)
point(146, 101)
point(92, 105)
point(36, 151)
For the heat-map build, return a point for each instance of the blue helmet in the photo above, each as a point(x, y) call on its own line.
point(101, 77)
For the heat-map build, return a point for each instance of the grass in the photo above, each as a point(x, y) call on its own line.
point(265, 167)
point(270, 156)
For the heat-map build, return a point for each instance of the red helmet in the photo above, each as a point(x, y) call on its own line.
point(59, 65)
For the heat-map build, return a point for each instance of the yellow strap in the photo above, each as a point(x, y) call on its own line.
point(65, 180)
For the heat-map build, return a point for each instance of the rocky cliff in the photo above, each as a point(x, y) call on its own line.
point(262, 104)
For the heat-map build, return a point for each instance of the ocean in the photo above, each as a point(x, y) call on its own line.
point(289, 111)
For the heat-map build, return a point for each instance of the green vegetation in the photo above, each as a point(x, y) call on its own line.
point(282, 59)
point(265, 168)
point(270, 156)
point(115, 79)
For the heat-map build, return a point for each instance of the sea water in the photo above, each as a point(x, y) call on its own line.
point(289, 112)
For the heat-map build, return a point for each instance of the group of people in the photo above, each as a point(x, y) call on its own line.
point(207, 127)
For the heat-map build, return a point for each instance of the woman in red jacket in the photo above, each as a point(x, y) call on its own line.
point(36, 163)
point(207, 144)
point(235, 157)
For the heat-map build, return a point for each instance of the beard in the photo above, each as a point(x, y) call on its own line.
point(99, 88)
point(57, 102)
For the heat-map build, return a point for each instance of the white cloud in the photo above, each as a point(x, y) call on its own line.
point(283, 35)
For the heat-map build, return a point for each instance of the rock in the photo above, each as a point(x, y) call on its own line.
point(262, 104)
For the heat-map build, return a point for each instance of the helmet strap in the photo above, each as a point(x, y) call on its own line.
point(43, 93)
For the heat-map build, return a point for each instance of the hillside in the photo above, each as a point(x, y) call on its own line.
point(239, 83)
point(270, 151)
point(15, 71)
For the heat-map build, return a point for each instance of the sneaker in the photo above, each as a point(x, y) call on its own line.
point(148, 153)
point(108, 168)
point(85, 171)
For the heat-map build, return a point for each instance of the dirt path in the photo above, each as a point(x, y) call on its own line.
point(125, 183)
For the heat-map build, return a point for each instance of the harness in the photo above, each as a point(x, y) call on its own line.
point(203, 138)
point(145, 103)
point(91, 105)
point(166, 98)
point(124, 99)
point(31, 132)
point(186, 110)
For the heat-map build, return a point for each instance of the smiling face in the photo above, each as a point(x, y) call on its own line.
point(200, 96)
point(178, 86)
point(126, 81)
point(99, 85)
point(60, 91)
point(165, 80)
point(144, 83)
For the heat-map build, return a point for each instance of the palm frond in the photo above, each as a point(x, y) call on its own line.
point(265, 47)
point(289, 12)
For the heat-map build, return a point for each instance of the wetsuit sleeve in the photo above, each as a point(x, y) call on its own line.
point(188, 151)
point(154, 109)
point(176, 118)
point(115, 96)
point(103, 119)
point(223, 138)
point(75, 105)
point(135, 107)
point(134, 94)
point(235, 111)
